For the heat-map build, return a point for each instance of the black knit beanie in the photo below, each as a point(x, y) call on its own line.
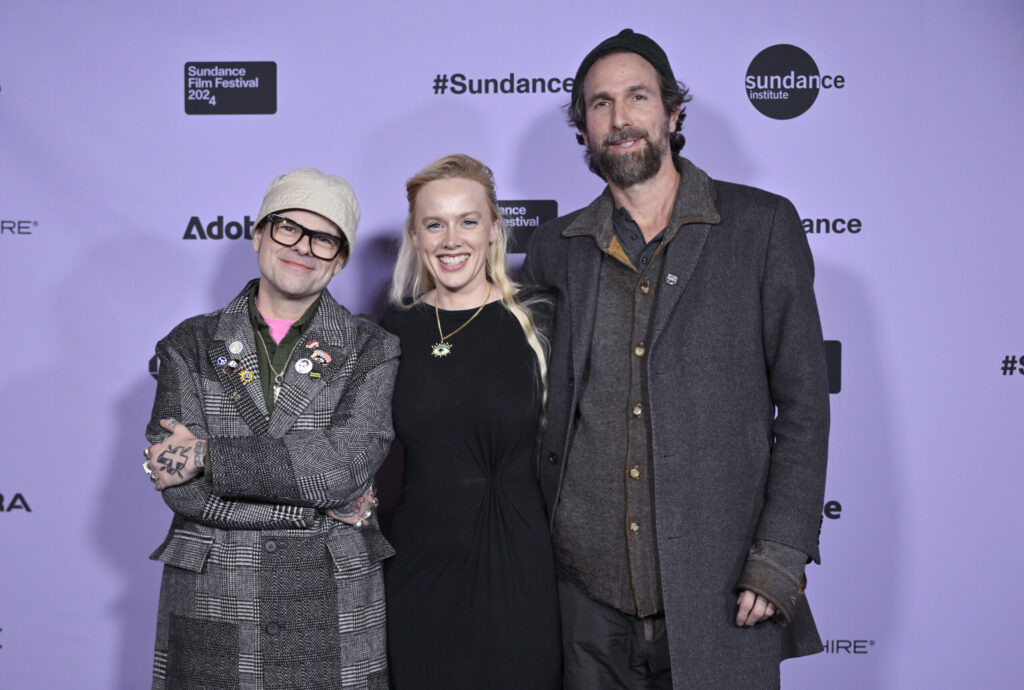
point(626, 41)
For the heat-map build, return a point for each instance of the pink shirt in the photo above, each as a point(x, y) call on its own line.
point(278, 327)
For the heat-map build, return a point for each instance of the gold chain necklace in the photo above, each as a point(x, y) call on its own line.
point(444, 348)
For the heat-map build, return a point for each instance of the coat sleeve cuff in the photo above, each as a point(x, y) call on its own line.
point(776, 572)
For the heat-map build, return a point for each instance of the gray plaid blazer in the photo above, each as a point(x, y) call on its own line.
point(260, 589)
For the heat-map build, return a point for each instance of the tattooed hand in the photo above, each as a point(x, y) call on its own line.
point(359, 511)
point(179, 458)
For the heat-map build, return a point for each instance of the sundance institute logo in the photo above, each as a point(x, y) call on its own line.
point(783, 81)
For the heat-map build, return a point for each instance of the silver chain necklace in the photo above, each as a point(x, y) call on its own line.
point(278, 376)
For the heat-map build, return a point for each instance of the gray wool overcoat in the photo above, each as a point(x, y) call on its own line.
point(261, 589)
point(737, 407)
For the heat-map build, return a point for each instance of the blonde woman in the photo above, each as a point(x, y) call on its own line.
point(471, 592)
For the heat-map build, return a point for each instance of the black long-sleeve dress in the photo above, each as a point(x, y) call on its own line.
point(471, 597)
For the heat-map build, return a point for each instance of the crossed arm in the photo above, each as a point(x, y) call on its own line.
point(268, 483)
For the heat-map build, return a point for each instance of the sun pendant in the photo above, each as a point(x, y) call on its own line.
point(441, 349)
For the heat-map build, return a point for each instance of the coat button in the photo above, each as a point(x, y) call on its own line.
point(270, 546)
point(634, 472)
point(273, 628)
point(645, 286)
point(552, 458)
point(639, 350)
point(637, 409)
point(634, 528)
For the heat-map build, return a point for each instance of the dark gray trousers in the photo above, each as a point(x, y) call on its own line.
point(605, 648)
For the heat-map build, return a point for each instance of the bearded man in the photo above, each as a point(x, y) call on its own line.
point(683, 459)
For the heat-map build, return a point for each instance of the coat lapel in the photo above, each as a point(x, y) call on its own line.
point(334, 336)
point(241, 384)
point(681, 259)
point(694, 215)
point(583, 274)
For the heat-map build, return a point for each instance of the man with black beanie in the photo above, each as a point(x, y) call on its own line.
point(683, 460)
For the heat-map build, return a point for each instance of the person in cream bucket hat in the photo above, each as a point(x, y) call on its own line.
point(311, 190)
point(272, 416)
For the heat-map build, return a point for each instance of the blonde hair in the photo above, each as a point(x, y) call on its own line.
point(411, 279)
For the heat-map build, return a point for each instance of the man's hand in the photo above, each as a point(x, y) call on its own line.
point(753, 608)
point(358, 512)
point(177, 459)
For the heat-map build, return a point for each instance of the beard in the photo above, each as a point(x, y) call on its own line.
point(627, 169)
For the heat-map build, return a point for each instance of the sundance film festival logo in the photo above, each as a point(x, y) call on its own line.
point(521, 218)
point(230, 88)
point(783, 81)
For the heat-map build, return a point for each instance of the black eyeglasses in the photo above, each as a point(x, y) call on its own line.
point(288, 233)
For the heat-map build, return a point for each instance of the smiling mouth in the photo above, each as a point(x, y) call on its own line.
point(453, 261)
point(624, 139)
point(296, 264)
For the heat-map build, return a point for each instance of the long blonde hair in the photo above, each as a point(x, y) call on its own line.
point(411, 279)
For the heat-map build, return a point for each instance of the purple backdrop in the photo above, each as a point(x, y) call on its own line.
point(102, 172)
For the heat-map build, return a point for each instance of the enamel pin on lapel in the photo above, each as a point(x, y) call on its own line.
point(304, 366)
point(235, 347)
point(671, 279)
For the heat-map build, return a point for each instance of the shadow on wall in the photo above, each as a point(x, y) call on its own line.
point(856, 592)
point(131, 524)
point(370, 269)
point(549, 164)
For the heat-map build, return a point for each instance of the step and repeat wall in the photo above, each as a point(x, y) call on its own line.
point(136, 140)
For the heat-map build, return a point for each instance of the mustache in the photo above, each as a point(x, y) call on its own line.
point(623, 134)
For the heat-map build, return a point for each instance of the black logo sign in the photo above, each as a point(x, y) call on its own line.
point(521, 218)
point(847, 646)
point(17, 227)
point(15, 502)
point(783, 81)
point(834, 364)
point(831, 226)
point(833, 510)
point(218, 229)
point(230, 88)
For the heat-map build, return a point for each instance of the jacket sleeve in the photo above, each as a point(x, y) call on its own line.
point(319, 468)
point(178, 396)
point(797, 377)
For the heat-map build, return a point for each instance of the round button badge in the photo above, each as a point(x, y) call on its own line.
point(304, 366)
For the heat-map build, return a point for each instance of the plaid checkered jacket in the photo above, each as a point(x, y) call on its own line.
point(260, 589)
